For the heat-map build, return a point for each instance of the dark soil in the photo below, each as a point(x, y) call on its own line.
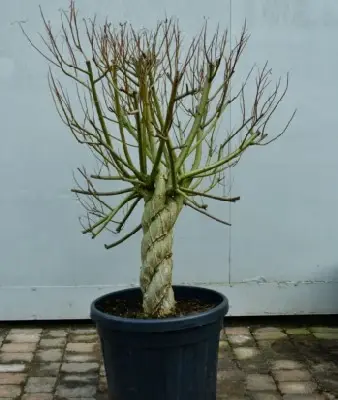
point(133, 309)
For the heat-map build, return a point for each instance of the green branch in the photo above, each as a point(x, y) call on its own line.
point(102, 224)
point(166, 126)
point(119, 116)
point(140, 135)
point(132, 180)
point(156, 102)
point(115, 156)
point(186, 197)
point(187, 203)
point(225, 160)
point(110, 246)
point(172, 166)
point(195, 129)
point(147, 116)
point(97, 104)
point(209, 196)
point(94, 193)
point(128, 214)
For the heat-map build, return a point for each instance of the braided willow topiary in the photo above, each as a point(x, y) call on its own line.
point(150, 110)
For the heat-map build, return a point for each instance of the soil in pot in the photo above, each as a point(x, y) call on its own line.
point(132, 308)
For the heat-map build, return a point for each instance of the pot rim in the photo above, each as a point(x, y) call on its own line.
point(161, 325)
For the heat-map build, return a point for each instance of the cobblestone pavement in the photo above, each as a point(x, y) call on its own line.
point(257, 363)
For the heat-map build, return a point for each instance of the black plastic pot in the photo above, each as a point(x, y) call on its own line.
point(166, 359)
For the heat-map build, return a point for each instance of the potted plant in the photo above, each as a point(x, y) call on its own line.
point(150, 110)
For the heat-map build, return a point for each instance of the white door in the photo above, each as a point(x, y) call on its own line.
point(279, 256)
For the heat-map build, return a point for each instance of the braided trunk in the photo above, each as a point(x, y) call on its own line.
point(159, 217)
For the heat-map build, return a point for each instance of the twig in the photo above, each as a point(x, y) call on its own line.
point(110, 246)
point(129, 212)
point(187, 203)
point(94, 193)
point(219, 198)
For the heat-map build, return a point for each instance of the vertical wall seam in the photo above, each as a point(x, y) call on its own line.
point(229, 149)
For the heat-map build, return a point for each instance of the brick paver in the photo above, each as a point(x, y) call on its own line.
point(256, 363)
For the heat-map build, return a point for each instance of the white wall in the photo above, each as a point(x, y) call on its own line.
point(290, 191)
point(285, 226)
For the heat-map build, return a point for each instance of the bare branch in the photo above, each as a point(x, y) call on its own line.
point(143, 99)
point(110, 246)
point(94, 193)
point(203, 194)
point(189, 204)
point(128, 214)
